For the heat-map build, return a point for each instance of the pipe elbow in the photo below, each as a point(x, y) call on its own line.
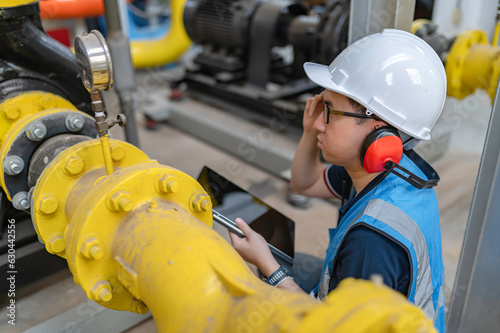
point(165, 50)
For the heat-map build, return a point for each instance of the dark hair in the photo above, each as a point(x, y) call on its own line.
point(358, 108)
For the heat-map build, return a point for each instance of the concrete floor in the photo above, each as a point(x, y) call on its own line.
point(171, 146)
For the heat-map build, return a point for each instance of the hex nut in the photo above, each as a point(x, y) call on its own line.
point(56, 244)
point(13, 165)
point(101, 291)
point(167, 183)
point(201, 203)
point(74, 165)
point(11, 112)
point(47, 102)
point(47, 204)
point(20, 201)
point(117, 152)
point(74, 122)
point(36, 131)
point(120, 201)
point(91, 248)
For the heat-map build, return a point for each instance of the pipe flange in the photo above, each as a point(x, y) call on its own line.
point(13, 165)
point(23, 105)
point(27, 135)
point(81, 162)
point(136, 192)
point(456, 59)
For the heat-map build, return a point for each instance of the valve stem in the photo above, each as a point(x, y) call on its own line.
point(103, 125)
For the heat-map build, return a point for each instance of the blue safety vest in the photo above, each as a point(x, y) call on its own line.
point(409, 216)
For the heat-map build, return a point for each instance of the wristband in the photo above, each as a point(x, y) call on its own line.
point(284, 279)
point(278, 276)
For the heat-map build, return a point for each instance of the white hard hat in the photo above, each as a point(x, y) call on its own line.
point(394, 74)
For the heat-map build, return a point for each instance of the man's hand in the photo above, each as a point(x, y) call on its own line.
point(254, 249)
point(314, 107)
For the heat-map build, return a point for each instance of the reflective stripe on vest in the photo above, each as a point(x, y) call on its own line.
point(399, 221)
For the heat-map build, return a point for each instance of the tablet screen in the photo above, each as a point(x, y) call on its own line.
point(232, 201)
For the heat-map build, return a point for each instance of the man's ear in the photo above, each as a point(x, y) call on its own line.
point(378, 123)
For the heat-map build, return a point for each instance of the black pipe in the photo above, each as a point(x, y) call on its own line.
point(25, 47)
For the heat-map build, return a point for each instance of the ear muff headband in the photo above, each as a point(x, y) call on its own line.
point(429, 172)
point(383, 149)
point(381, 146)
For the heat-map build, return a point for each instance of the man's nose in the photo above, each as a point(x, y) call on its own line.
point(319, 123)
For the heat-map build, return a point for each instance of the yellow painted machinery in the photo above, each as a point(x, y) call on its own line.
point(473, 63)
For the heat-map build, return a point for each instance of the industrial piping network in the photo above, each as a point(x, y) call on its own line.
point(472, 62)
point(137, 235)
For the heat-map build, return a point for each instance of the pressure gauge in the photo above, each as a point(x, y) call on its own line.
point(94, 61)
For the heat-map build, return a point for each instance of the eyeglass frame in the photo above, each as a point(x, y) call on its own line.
point(327, 112)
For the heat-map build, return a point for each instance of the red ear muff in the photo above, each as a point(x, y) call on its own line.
point(381, 146)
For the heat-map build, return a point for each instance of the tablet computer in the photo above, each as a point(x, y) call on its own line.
point(231, 201)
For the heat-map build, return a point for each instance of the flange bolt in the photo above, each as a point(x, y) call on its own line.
point(13, 165)
point(91, 248)
point(201, 203)
point(47, 204)
point(56, 244)
point(120, 201)
point(101, 291)
point(20, 201)
point(36, 131)
point(74, 122)
point(167, 183)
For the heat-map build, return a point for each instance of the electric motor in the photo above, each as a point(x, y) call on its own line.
point(221, 22)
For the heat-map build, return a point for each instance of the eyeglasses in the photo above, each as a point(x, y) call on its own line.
point(327, 111)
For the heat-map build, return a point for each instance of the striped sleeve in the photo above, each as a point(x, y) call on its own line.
point(333, 176)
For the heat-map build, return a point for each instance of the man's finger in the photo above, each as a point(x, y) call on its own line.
point(244, 226)
point(314, 106)
point(233, 237)
point(308, 104)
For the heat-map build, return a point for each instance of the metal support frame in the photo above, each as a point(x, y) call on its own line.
point(123, 69)
point(475, 300)
point(371, 16)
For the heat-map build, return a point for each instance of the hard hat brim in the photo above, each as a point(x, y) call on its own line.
point(320, 75)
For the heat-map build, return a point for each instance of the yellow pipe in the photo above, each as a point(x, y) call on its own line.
point(495, 36)
point(419, 23)
point(15, 3)
point(199, 283)
point(471, 64)
point(106, 152)
point(143, 239)
point(478, 65)
point(167, 49)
